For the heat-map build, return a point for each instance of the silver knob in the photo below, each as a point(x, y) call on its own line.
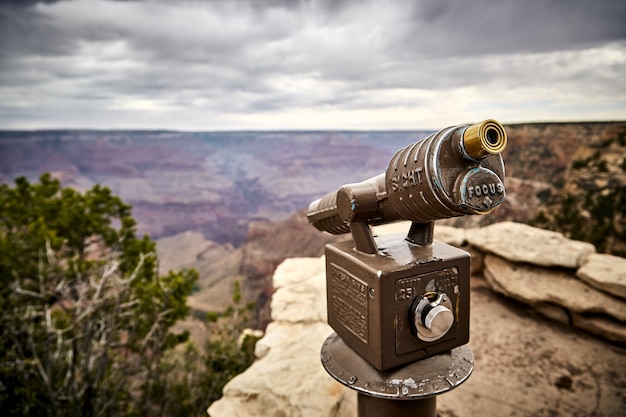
point(439, 320)
point(433, 317)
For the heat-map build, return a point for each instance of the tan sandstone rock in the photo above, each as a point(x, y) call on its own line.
point(605, 272)
point(289, 380)
point(522, 243)
point(547, 289)
point(607, 328)
point(451, 235)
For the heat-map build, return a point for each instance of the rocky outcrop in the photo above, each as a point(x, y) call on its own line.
point(535, 285)
point(552, 274)
point(267, 245)
point(219, 266)
point(559, 295)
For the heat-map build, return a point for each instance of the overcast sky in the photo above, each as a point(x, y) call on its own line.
point(318, 64)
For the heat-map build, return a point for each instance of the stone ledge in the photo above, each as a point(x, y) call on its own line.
point(559, 295)
point(518, 242)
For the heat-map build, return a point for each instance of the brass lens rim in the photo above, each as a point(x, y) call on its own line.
point(483, 139)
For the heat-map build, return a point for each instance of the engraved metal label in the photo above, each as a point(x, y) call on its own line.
point(407, 179)
point(444, 280)
point(482, 190)
point(348, 299)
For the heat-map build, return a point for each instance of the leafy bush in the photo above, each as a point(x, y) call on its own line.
point(198, 375)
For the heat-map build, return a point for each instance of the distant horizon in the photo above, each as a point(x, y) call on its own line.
point(295, 130)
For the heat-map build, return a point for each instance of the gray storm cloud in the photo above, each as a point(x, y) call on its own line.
point(193, 61)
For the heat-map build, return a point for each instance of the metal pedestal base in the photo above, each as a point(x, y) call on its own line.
point(407, 391)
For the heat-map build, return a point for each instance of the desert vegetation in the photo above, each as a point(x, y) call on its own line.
point(85, 319)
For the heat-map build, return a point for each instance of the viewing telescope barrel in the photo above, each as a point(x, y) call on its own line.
point(454, 172)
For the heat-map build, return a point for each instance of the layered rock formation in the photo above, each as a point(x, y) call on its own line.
point(524, 365)
point(267, 245)
point(605, 272)
point(542, 269)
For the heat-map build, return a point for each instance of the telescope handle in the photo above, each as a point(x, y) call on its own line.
point(358, 202)
point(324, 215)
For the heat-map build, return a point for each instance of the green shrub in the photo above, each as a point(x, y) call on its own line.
point(85, 319)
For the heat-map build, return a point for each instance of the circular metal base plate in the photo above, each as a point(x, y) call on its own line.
point(421, 379)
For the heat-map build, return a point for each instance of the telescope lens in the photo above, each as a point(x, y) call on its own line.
point(492, 136)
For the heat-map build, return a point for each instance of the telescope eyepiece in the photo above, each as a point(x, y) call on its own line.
point(483, 139)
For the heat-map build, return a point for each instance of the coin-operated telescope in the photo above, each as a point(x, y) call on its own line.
point(400, 305)
point(392, 299)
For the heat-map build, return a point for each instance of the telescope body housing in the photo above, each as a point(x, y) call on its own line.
point(392, 300)
point(441, 176)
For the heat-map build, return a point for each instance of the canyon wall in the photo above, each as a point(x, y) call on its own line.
point(216, 183)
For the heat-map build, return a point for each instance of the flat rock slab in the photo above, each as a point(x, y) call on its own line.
point(605, 272)
point(522, 243)
point(548, 289)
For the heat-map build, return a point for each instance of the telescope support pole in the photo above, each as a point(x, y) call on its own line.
point(369, 406)
point(363, 239)
point(421, 233)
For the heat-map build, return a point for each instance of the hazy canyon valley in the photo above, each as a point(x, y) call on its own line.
point(230, 204)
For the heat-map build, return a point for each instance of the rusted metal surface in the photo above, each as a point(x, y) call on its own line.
point(417, 380)
point(370, 298)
